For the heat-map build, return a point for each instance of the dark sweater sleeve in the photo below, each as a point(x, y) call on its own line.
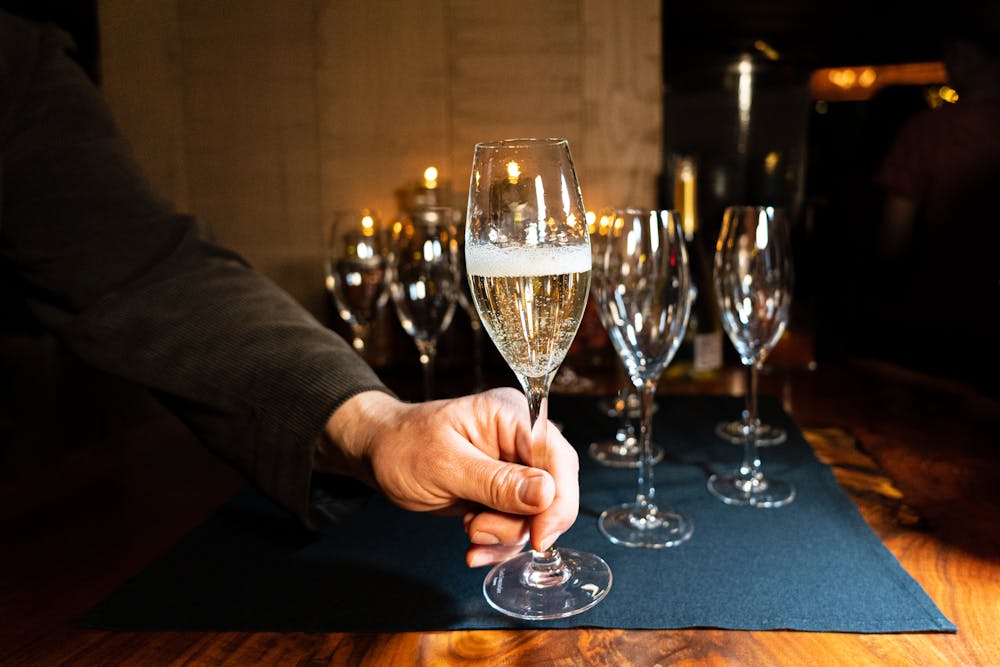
point(138, 290)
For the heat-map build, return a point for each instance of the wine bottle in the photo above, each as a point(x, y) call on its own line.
point(702, 347)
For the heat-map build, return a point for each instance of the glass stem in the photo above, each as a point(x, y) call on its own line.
point(646, 492)
point(750, 469)
point(546, 566)
point(359, 339)
point(428, 352)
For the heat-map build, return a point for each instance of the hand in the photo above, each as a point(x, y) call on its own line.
point(459, 456)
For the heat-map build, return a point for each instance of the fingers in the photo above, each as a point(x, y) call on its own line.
point(478, 556)
point(564, 466)
point(495, 537)
point(509, 488)
point(492, 528)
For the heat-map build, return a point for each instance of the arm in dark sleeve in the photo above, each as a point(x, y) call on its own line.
point(138, 290)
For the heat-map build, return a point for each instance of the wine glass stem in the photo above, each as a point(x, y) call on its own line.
point(358, 343)
point(544, 564)
point(751, 460)
point(646, 491)
point(428, 352)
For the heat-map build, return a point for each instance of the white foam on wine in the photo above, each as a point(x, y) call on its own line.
point(492, 261)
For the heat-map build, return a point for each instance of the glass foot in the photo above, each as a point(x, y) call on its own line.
point(569, 583)
point(736, 489)
point(735, 432)
point(614, 406)
point(654, 528)
point(621, 454)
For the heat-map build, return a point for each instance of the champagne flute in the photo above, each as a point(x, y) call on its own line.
point(527, 254)
point(621, 450)
point(357, 270)
point(753, 281)
point(644, 290)
point(425, 275)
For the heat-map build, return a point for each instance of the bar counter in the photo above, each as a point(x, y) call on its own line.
point(75, 530)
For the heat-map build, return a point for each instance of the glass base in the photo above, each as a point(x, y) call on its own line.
point(735, 489)
point(614, 406)
point(619, 454)
point(735, 432)
point(568, 584)
point(630, 526)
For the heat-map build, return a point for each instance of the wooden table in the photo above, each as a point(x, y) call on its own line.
point(925, 474)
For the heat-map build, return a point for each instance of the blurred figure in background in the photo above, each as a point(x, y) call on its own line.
point(938, 278)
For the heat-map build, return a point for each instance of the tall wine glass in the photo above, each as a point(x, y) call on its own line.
point(753, 281)
point(644, 290)
point(356, 270)
point(425, 276)
point(527, 254)
point(621, 450)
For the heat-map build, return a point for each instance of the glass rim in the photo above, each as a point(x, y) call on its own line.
point(522, 142)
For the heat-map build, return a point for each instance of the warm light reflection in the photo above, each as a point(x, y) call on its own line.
point(771, 161)
point(769, 51)
point(513, 171)
point(430, 178)
point(948, 94)
point(861, 83)
point(368, 225)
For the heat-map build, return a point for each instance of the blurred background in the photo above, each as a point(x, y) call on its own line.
point(264, 117)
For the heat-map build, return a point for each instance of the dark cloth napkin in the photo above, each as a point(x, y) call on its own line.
point(812, 565)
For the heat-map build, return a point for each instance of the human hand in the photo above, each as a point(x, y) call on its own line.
point(460, 456)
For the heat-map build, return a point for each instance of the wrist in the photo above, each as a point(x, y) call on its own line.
point(345, 446)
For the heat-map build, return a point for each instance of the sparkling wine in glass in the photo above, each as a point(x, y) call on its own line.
point(645, 296)
point(357, 270)
point(425, 277)
point(753, 281)
point(527, 253)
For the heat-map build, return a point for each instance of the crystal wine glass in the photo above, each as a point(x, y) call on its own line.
point(425, 277)
point(644, 292)
point(356, 270)
point(527, 254)
point(753, 281)
point(621, 450)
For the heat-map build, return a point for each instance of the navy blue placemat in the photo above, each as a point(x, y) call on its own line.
point(812, 565)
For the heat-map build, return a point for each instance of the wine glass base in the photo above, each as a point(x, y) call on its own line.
point(734, 432)
point(583, 580)
point(614, 407)
point(735, 489)
point(627, 525)
point(615, 454)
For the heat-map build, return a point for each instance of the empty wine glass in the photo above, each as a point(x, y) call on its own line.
point(622, 449)
point(356, 270)
point(753, 281)
point(425, 276)
point(644, 291)
point(527, 254)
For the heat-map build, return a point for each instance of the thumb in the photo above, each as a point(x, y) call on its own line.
point(505, 487)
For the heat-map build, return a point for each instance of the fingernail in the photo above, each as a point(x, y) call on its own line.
point(482, 537)
point(549, 540)
point(529, 491)
point(480, 559)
